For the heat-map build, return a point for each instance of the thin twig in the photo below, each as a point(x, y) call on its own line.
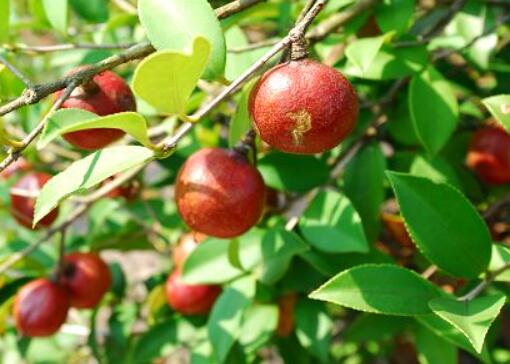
point(496, 207)
point(252, 46)
point(61, 251)
point(125, 5)
point(62, 47)
point(16, 72)
point(489, 278)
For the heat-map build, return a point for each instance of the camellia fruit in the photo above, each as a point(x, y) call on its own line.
point(489, 155)
point(23, 196)
point(86, 277)
point(105, 94)
point(129, 191)
point(303, 107)
point(40, 308)
point(187, 243)
point(219, 193)
point(286, 305)
point(190, 299)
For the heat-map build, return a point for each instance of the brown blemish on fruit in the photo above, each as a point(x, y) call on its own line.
point(303, 121)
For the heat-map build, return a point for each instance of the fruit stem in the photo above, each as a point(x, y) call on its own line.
point(61, 253)
point(298, 50)
point(246, 146)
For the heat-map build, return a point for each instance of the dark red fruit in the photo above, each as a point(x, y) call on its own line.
point(20, 165)
point(489, 155)
point(106, 94)
point(129, 190)
point(219, 193)
point(190, 299)
point(86, 277)
point(187, 243)
point(303, 107)
point(286, 306)
point(23, 196)
point(40, 308)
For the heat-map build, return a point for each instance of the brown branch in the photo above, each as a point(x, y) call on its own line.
point(235, 7)
point(62, 47)
point(494, 209)
point(16, 71)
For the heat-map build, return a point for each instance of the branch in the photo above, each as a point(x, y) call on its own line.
point(16, 72)
point(497, 207)
point(62, 47)
point(489, 278)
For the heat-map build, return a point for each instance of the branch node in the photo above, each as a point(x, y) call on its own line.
point(298, 49)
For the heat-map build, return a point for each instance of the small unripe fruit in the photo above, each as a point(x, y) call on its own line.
point(107, 93)
point(190, 299)
point(23, 196)
point(187, 243)
point(303, 107)
point(489, 155)
point(219, 193)
point(40, 308)
point(286, 305)
point(86, 277)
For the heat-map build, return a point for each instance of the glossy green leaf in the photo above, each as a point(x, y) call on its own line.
point(433, 349)
point(436, 169)
point(442, 222)
point(314, 328)
point(159, 340)
point(371, 327)
point(385, 289)
point(364, 186)
point(173, 25)
point(473, 318)
point(69, 120)
point(434, 109)
point(56, 12)
point(500, 258)
point(92, 10)
point(88, 172)
point(331, 224)
point(499, 107)
point(285, 171)
point(363, 51)
point(240, 122)
point(259, 324)
point(166, 79)
point(4, 20)
point(395, 15)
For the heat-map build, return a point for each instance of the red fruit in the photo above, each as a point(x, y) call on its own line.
point(23, 196)
point(489, 155)
point(106, 94)
point(87, 278)
point(286, 306)
point(40, 308)
point(303, 107)
point(190, 299)
point(129, 190)
point(20, 165)
point(219, 193)
point(187, 243)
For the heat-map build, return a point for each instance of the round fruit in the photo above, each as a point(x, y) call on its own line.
point(107, 93)
point(219, 193)
point(20, 165)
point(286, 306)
point(40, 308)
point(129, 190)
point(86, 277)
point(303, 107)
point(187, 243)
point(489, 155)
point(190, 299)
point(23, 196)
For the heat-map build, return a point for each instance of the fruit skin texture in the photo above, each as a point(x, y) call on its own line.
point(286, 305)
point(109, 94)
point(40, 308)
point(22, 206)
point(303, 107)
point(220, 194)
point(489, 155)
point(187, 243)
point(190, 299)
point(86, 277)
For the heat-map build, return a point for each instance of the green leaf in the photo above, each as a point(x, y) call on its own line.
point(443, 223)
point(240, 122)
point(369, 327)
point(259, 323)
point(433, 349)
point(363, 51)
point(4, 20)
point(499, 107)
point(225, 322)
point(434, 109)
point(285, 171)
point(394, 15)
point(92, 10)
point(56, 12)
point(364, 186)
point(88, 172)
point(314, 328)
point(473, 318)
point(384, 288)
point(436, 169)
point(159, 340)
point(69, 120)
point(166, 79)
point(173, 25)
point(500, 257)
point(331, 224)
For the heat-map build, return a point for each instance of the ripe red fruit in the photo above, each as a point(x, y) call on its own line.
point(106, 94)
point(303, 107)
point(187, 243)
point(86, 277)
point(489, 155)
point(286, 306)
point(190, 299)
point(219, 193)
point(23, 196)
point(40, 308)
point(129, 190)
